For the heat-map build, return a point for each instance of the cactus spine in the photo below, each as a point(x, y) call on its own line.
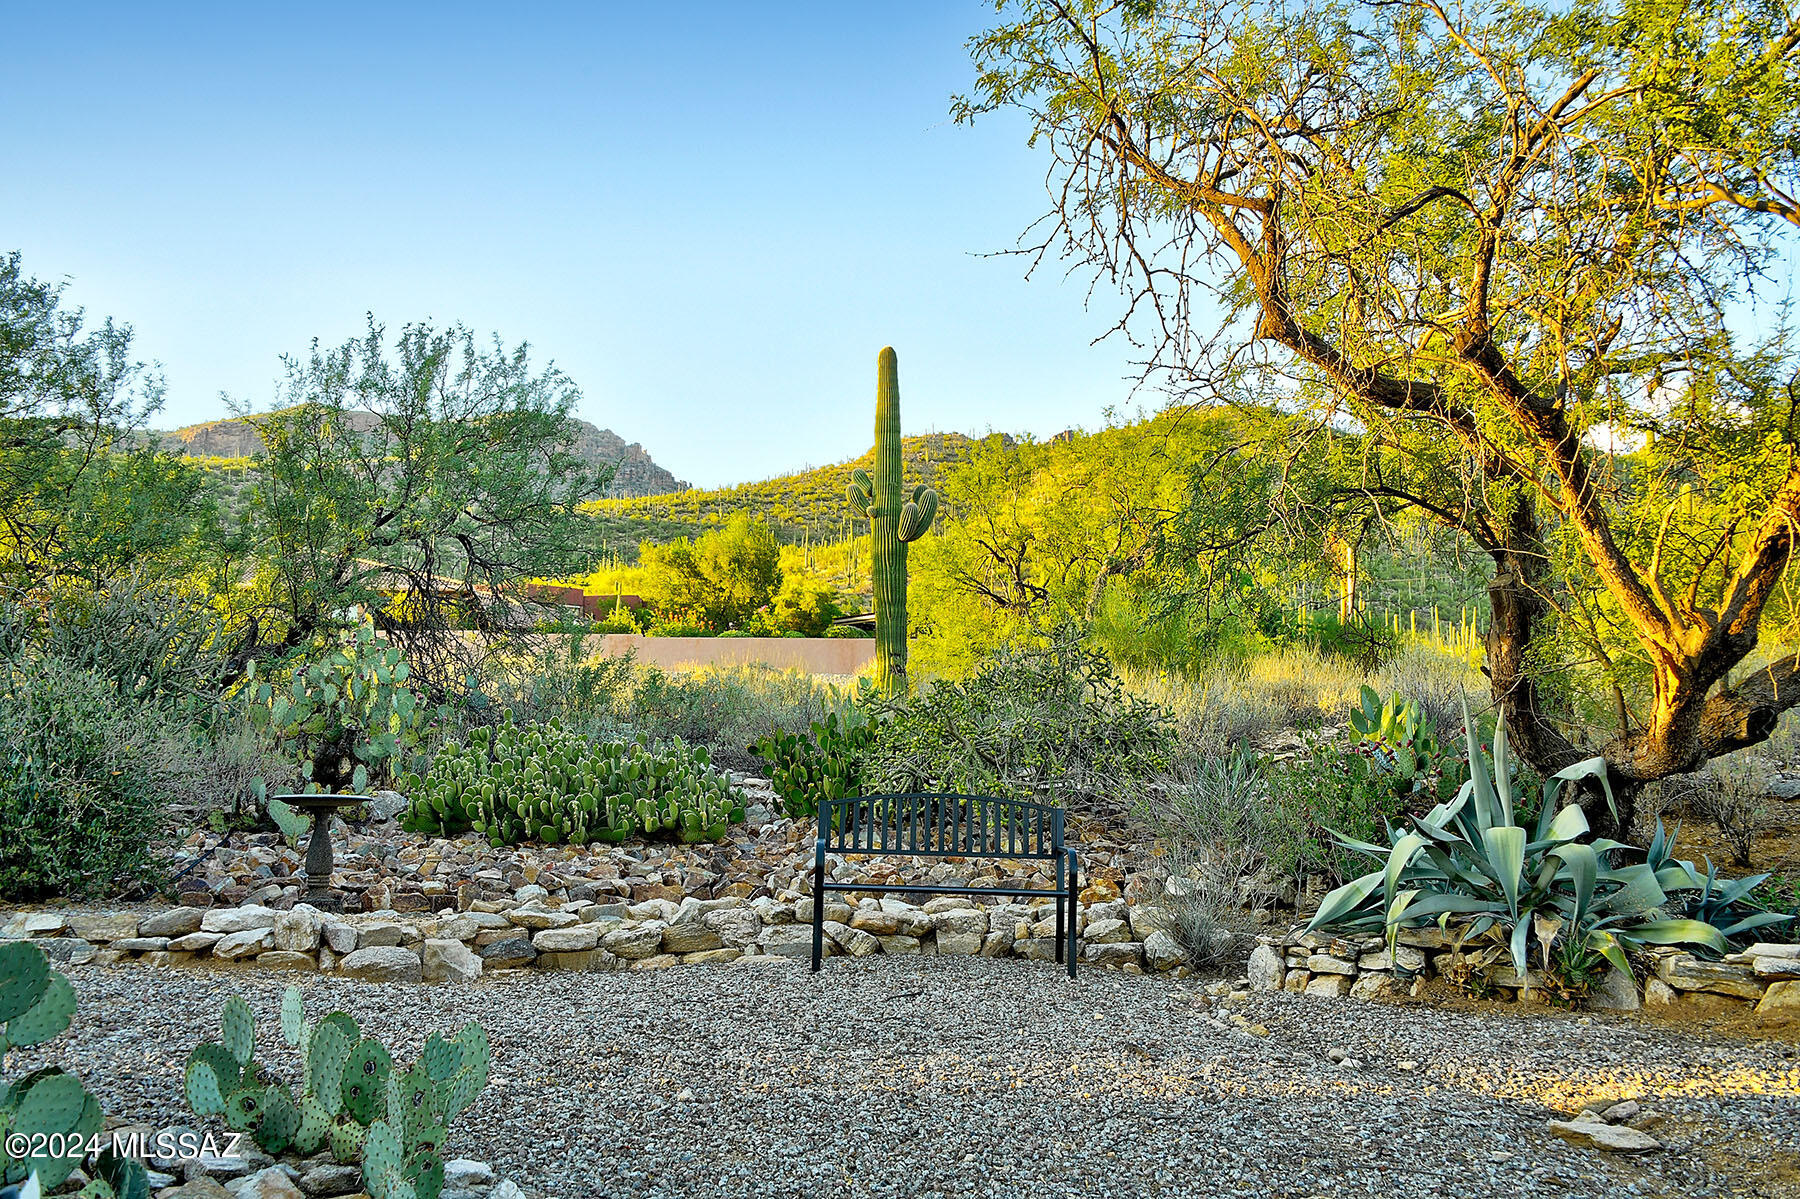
point(893, 523)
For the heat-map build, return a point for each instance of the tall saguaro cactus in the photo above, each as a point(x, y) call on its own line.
point(893, 523)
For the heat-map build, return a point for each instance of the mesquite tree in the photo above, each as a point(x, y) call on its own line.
point(1506, 248)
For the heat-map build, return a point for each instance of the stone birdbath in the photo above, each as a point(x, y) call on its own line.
point(318, 845)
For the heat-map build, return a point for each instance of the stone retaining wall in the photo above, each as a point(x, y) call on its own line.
point(1764, 979)
point(541, 930)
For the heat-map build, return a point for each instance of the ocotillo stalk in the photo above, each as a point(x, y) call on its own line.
point(893, 523)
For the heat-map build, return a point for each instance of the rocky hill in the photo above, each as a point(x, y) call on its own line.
point(635, 473)
point(801, 505)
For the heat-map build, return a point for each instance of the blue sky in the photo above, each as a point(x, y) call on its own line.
point(710, 215)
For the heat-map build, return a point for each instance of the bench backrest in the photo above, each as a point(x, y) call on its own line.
point(965, 826)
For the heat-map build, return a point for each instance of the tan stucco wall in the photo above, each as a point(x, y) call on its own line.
point(816, 655)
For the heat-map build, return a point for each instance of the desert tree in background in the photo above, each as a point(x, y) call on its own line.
point(1521, 255)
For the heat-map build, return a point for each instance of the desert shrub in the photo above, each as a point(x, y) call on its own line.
point(81, 779)
point(1199, 896)
point(1053, 721)
point(1733, 795)
point(152, 642)
point(1234, 700)
point(618, 698)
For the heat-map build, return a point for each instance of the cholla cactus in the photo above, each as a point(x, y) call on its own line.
point(893, 523)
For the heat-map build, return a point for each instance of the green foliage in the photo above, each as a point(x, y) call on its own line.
point(545, 783)
point(81, 775)
point(156, 643)
point(345, 716)
point(1052, 721)
point(1509, 890)
point(82, 494)
point(818, 765)
point(429, 476)
point(1614, 431)
point(805, 504)
point(36, 1005)
point(352, 1098)
point(803, 606)
point(620, 698)
point(719, 581)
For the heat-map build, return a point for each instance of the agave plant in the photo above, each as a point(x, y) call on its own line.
point(1467, 859)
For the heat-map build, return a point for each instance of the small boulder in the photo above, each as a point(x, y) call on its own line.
point(298, 930)
point(383, 963)
point(244, 944)
point(510, 954)
point(1609, 1138)
point(573, 939)
point(237, 920)
point(443, 960)
point(176, 922)
point(1266, 970)
point(93, 927)
point(1163, 952)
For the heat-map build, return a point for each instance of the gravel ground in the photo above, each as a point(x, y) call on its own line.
point(939, 1077)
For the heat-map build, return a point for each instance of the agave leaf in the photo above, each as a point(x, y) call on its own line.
point(1583, 869)
point(1481, 786)
point(1677, 932)
point(1759, 920)
point(1344, 900)
point(1589, 768)
point(1502, 771)
point(1546, 813)
point(1607, 946)
point(1457, 905)
point(1639, 891)
point(1735, 890)
point(1396, 912)
point(1405, 850)
point(1521, 930)
point(1506, 856)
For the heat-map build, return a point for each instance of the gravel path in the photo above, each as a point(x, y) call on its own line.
point(941, 1076)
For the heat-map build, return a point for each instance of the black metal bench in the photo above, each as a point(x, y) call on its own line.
point(948, 826)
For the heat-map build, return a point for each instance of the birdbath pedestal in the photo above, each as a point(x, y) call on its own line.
point(318, 845)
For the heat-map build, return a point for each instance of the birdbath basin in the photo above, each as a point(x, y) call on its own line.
point(318, 844)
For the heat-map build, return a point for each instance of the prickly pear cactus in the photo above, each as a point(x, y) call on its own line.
point(244, 1109)
point(347, 1135)
point(383, 1160)
point(238, 1029)
point(327, 1054)
point(352, 1100)
point(315, 1126)
point(36, 1004)
point(894, 521)
point(280, 1120)
point(365, 1080)
point(293, 1016)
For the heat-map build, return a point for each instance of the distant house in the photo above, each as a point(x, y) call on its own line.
point(591, 607)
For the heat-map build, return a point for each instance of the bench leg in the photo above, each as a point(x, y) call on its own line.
point(1062, 901)
point(1074, 912)
point(818, 921)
